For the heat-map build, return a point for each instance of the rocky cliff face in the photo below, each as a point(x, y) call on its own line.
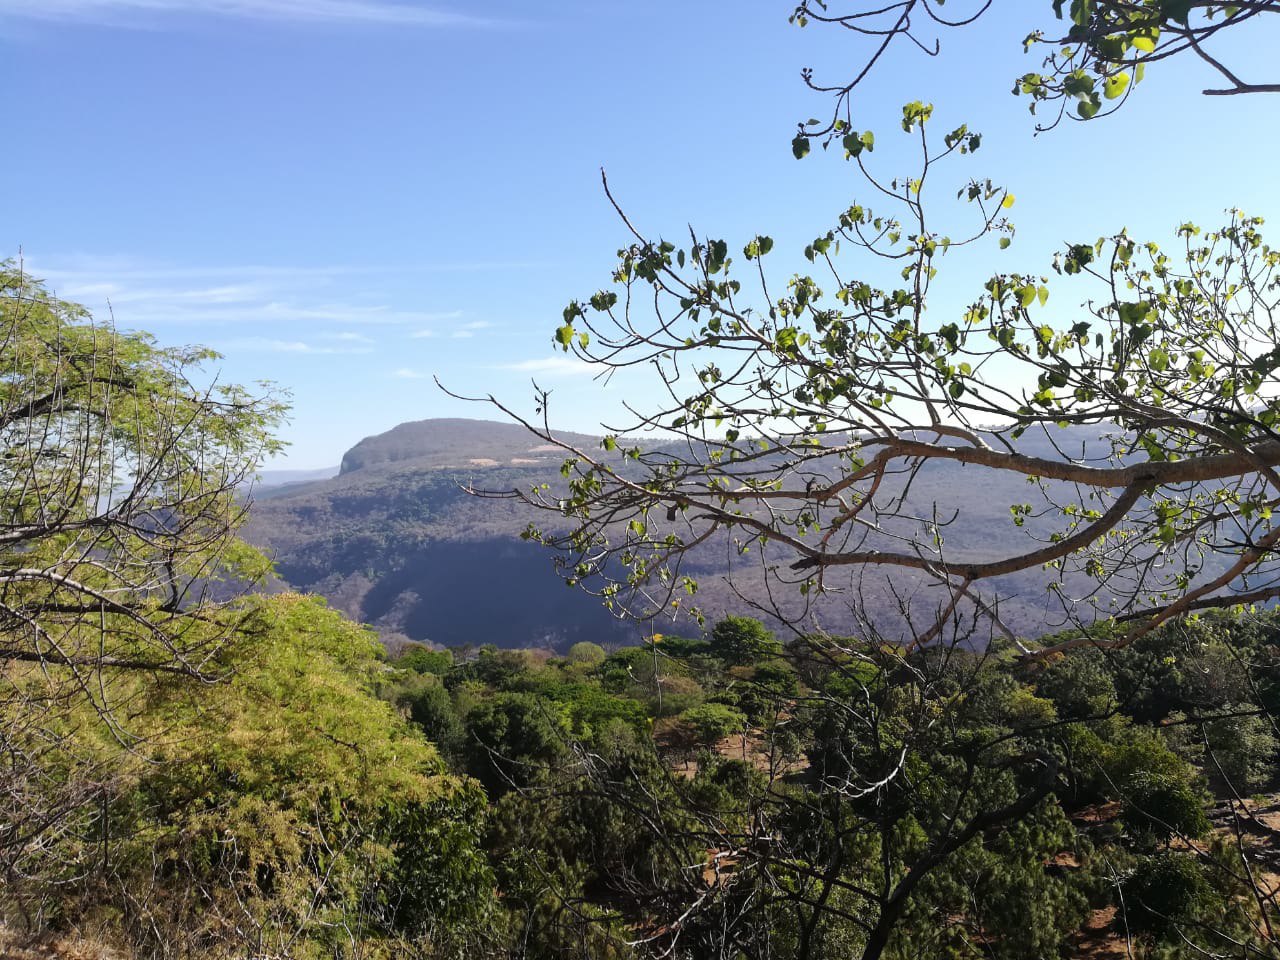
point(396, 542)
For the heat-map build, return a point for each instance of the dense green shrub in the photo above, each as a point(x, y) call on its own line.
point(743, 640)
point(712, 722)
point(422, 659)
point(1162, 893)
point(587, 653)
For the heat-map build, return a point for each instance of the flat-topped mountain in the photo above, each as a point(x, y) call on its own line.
point(456, 443)
point(394, 540)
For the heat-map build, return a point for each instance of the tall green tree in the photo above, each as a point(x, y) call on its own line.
point(818, 423)
point(122, 466)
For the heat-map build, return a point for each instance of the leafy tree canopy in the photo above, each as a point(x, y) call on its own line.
point(120, 466)
point(283, 810)
point(807, 408)
point(1097, 50)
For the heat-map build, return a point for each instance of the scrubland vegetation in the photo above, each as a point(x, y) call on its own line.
point(721, 796)
point(195, 766)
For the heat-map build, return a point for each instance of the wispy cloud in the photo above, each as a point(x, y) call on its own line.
point(555, 366)
point(120, 295)
point(404, 373)
point(148, 13)
point(347, 336)
point(155, 297)
point(442, 316)
point(88, 267)
point(268, 345)
point(455, 331)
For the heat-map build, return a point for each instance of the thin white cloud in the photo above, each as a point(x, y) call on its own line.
point(347, 336)
point(269, 345)
point(404, 373)
point(556, 366)
point(151, 297)
point(120, 295)
point(159, 307)
point(95, 267)
point(455, 331)
point(163, 308)
point(147, 13)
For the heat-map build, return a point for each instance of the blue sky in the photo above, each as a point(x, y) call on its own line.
point(349, 196)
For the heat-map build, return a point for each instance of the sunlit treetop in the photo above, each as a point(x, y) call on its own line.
point(1096, 51)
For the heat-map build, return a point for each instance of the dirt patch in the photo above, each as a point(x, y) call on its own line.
point(1097, 813)
point(679, 749)
point(1098, 939)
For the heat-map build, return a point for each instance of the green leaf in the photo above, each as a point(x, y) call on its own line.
point(1115, 86)
point(1145, 39)
point(800, 147)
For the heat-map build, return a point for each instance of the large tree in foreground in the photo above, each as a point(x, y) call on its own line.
point(805, 416)
point(832, 428)
point(120, 466)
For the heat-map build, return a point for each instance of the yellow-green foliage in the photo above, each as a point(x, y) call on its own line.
point(285, 810)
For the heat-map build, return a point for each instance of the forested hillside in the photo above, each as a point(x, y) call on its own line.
point(199, 769)
point(706, 797)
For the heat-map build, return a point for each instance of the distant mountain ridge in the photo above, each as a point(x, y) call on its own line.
point(280, 478)
point(396, 541)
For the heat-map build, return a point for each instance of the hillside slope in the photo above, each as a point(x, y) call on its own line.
point(394, 540)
